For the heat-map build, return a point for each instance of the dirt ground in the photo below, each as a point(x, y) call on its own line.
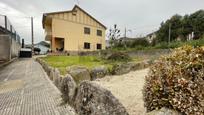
point(128, 89)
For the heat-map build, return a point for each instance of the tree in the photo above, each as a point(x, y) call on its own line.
point(182, 26)
point(139, 42)
point(197, 22)
point(176, 24)
point(114, 34)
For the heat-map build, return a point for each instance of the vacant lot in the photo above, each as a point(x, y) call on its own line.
point(61, 62)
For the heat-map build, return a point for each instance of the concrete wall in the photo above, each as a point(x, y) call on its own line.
point(15, 48)
point(9, 48)
point(5, 44)
point(149, 53)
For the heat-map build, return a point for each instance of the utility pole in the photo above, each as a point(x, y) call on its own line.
point(78, 2)
point(125, 37)
point(169, 40)
point(6, 23)
point(125, 32)
point(32, 36)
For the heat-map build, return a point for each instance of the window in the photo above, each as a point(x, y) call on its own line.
point(87, 30)
point(99, 46)
point(74, 13)
point(86, 45)
point(99, 33)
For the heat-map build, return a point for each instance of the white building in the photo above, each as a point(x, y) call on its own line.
point(44, 47)
point(151, 37)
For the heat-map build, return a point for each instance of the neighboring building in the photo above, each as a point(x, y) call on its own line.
point(150, 37)
point(73, 31)
point(108, 45)
point(122, 40)
point(43, 46)
point(190, 36)
point(126, 39)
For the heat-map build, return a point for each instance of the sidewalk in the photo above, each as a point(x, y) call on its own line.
point(26, 90)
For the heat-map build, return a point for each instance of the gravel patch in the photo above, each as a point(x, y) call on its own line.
point(128, 89)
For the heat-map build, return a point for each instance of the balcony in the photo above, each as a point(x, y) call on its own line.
point(48, 34)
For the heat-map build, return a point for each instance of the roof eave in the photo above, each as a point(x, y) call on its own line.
point(76, 6)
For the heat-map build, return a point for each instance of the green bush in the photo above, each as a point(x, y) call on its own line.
point(134, 45)
point(196, 43)
point(162, 45)
point(119, 56)
point(177, 82)
point(139, 42)
point(176, 44)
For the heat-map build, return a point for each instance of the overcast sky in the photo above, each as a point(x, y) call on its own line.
point(140, 16)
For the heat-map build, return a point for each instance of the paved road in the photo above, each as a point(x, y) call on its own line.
point(26, 90)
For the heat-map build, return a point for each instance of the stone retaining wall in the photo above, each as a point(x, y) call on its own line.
point(87, 98)
point(136, 53)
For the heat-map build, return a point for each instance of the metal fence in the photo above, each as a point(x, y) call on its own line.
point(7, 28)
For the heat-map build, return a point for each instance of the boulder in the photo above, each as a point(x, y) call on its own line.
point(92, 99)
point(120, 69)
point(43, 63)
point(98, 72)
point(137, 66)
point(68, 88)
point(79, 73)
point(48, 70)
point(56, 76)
point(164, 111)
point(60, 78)
point(52, 70)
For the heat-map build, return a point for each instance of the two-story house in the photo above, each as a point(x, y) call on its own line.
point(73, 31)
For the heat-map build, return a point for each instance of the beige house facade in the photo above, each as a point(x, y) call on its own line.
point(73, 31)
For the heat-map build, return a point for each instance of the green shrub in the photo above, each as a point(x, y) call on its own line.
point(177, 82)
point(139, 42)
point(162, 45)
point(119, 56)
point(196, 43)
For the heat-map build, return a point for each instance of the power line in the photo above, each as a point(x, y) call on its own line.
point(142, 27)
point(22, 17)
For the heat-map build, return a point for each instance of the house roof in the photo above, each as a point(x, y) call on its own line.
point(76, 6)
point(127, 39)
point(150, 34)
point(43, 43)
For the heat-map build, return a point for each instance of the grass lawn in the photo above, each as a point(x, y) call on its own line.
point(61, 62)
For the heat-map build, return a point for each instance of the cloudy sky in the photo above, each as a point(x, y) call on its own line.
point(139, 16)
